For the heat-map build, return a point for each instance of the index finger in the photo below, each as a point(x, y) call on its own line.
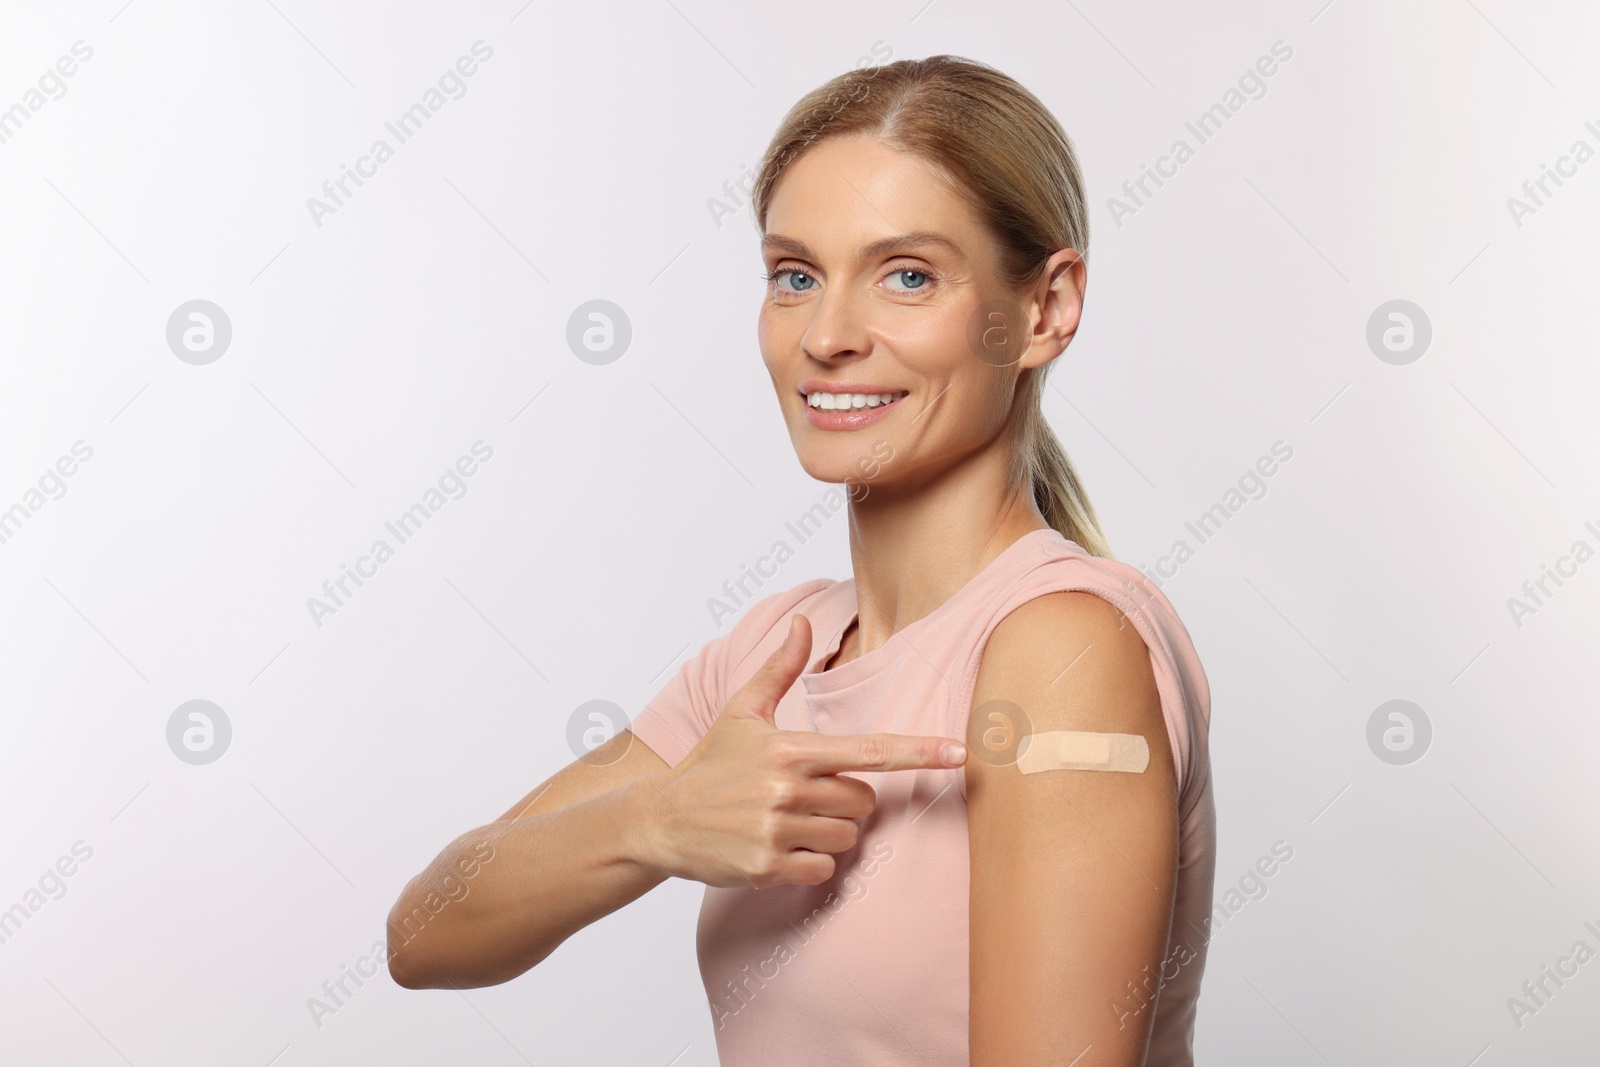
point(829, 753)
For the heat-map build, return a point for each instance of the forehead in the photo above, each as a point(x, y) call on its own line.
point(848, 191)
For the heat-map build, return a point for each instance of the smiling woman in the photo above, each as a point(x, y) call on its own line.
point(924, 234)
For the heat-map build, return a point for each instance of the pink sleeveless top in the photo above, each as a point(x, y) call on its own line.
point(870, 967)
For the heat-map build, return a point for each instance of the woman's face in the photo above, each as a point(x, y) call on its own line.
point(885, 283)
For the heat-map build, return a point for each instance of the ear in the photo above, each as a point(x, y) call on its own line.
point(1057, 301)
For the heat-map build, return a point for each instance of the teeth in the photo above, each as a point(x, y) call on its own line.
point(850, 401)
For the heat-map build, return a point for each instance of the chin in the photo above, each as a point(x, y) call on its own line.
point(860, 460)
point(827, 468)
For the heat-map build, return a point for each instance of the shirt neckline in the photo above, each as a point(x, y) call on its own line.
point(818, 681)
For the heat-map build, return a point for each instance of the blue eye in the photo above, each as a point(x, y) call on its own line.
point(904, 274)
point(781, 271)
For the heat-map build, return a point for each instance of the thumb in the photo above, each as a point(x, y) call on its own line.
point(760, 695)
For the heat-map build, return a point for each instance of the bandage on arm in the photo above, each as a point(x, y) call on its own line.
point(1080, 750)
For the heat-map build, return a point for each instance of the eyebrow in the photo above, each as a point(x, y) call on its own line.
point(777, 242)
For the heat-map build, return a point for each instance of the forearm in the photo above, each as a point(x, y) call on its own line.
point(538, 880)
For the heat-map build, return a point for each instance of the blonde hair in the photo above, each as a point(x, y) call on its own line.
point(1014, 164)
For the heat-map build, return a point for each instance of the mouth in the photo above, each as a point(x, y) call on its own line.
point(828, 410)
point(823, 400)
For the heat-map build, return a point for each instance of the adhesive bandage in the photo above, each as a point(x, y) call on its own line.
point(1078, 750)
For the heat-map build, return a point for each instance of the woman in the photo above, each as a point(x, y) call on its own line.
point(874, 896)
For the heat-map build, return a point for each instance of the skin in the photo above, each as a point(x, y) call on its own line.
point(1044, 974)
point(1074, 873)
point(939, 509)
point(757, 806)
point(750, 805)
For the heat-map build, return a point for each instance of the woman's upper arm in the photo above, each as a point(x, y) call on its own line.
point(1073, 872)
point(618, 762)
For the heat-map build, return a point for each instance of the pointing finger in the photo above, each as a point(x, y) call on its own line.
point(829, 754)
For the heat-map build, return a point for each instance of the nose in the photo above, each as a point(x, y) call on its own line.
point(838, 330)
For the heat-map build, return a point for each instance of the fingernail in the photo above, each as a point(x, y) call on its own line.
point(954, 753)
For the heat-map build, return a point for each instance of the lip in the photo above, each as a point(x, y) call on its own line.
point(817, 385)
point(846, 420)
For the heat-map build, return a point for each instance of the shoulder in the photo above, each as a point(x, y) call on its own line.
point(1063, 613)
point(1067, 595)
point(1062, 604)
point(1072, 641)
point(1078, 638)
point(1069, 660)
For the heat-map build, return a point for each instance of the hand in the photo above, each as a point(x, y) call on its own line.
point(753, 805)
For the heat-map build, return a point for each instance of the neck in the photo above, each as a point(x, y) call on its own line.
point(915, 544)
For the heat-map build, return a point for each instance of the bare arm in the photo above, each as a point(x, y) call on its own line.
point(502, 897)
point(1073, 871)
point(750, 805)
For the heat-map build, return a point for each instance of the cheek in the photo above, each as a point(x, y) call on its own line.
point(932, 341)
point(1000, 395)
point(935, 347)
point(767, 342)
point(772, 335)
point(975, 406)
point(925, 341)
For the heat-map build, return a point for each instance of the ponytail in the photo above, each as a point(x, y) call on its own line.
point(1043, 465)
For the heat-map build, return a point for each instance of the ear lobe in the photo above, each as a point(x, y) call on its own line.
point(1049, 339)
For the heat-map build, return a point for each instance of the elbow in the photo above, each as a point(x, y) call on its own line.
point(439, 960)
point(421, 962)
point(406, 966)
point(403, 973)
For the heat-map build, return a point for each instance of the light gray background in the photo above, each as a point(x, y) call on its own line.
point(431, 310)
